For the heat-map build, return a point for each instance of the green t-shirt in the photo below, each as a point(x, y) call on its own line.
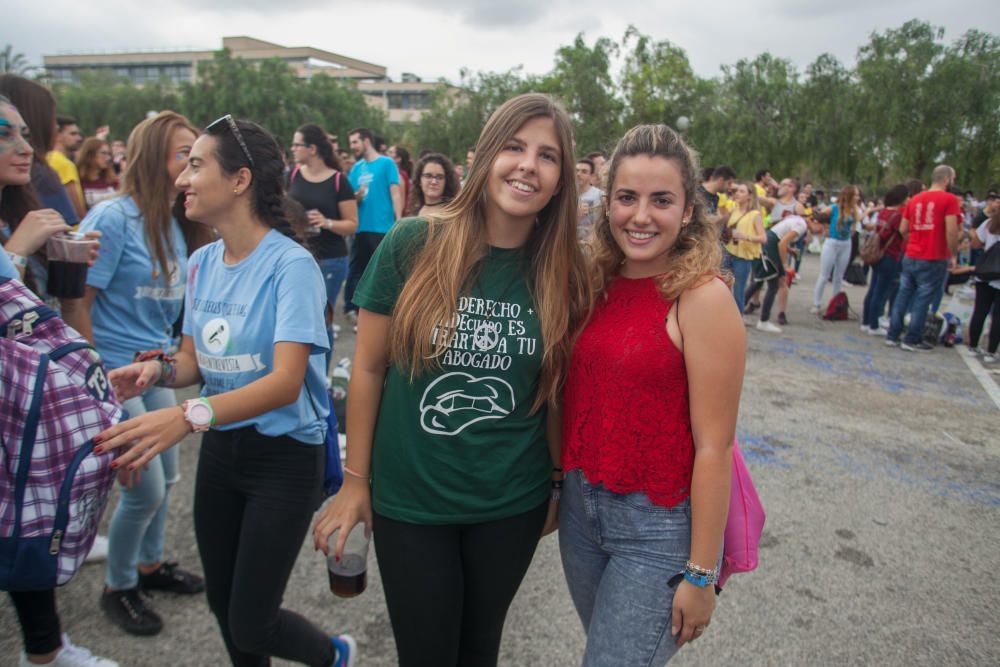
point(458, 444)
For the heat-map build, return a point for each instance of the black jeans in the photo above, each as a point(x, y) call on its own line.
point(448, 587)
point(36, 612)
point(987, 299)
point(772, 291)
point(254, 498)
point(362, 249)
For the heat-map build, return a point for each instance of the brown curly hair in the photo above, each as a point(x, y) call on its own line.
point(696, 254)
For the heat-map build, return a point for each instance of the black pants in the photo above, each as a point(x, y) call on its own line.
point(772, 291)
point(987, 299)
point(362, 249)
point(253, 501)
point(448, 588)
point(36, 612)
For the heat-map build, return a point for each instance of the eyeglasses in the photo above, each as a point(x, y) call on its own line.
point(228, 118)
point(298, 145)
point(432, 177)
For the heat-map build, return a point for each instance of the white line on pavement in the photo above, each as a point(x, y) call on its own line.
point(984, 378)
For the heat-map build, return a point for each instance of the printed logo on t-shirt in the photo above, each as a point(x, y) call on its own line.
point(173, 291)
point(455, 401)
point(215, 335)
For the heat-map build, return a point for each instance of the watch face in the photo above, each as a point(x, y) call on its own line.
point(200, 413)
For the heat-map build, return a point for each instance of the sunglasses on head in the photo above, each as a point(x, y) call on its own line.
point(229, 120)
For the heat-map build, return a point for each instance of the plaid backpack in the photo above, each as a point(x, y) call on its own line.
point(54, 398)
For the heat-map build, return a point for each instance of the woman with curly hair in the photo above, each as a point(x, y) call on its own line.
point(97, 174)
point(649, 412)
point(435, 183)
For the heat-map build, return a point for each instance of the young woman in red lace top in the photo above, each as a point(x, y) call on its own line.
point(649, 413)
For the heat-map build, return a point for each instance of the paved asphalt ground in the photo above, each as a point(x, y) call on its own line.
point(880, 473)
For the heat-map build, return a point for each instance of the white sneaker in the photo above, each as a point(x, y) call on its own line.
point(989, 358)
point(814, 310)
point(336, 328)
point(865, 329)
point(973, 351)
point(877, 332)
point(99, 551)
point(72, 656)
point(768, 327)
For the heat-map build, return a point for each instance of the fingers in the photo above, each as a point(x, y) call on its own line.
point(149, 374)
point(676, 619)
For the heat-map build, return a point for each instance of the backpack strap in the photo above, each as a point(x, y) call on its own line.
point(295, 172)
point(28, 441)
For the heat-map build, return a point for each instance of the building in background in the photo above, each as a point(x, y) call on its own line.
point(405, 100)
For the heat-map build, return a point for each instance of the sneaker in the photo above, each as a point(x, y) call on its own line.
point(973, 351)
point(172, 579)
point(989, 358)
point(336, 328)
point(865, 329)
point(782, 320)
point(347, 650)
point(749, 308)
point(71, 656)
point(815, 310)
point(128, 611)
point(891, 343)
point(769, 327)
point(916, 347)
point(99, 551)
point(352, 316)
point(878, 331)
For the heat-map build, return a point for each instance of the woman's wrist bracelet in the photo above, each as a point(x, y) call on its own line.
point(168, 365)
point(353, 473)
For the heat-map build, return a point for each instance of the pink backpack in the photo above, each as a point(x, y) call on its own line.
point(54, 398)
point(745, 523)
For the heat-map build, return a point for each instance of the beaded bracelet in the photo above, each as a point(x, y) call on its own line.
point(356, 474)
point(168, 365)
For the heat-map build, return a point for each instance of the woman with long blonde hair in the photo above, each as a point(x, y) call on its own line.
point(133, 297)
point(836, 254)
point(649, 412)
point(464, 338)
point(745, 230)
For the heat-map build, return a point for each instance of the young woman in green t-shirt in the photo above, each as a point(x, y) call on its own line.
point(464, 335)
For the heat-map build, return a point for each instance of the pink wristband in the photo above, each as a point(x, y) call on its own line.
point(355, 474)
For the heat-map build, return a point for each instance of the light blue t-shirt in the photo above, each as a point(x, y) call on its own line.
point(133, 311)
point(236, 313)
point(375, 212)
point(7, 268)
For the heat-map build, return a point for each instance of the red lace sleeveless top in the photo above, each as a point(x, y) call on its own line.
point(626, 422)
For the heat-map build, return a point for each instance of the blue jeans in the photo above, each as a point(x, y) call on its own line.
point(885, 279)
point(741, 274)
point(334, 273)
point(619, 551)
point(136, 532)
point(919, 283)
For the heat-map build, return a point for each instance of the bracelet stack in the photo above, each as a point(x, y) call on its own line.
point(168, 365)
point(699, 576)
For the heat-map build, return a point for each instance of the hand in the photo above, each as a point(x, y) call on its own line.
point(130, 478)
point(95, 247)
point(316, 219)
point(35, 229)
point(551, 519)
point(582, 210)
point(353, 503)
point(693, 607)
point(148, 435)
point(739, 236)
point(130, 381)
point(362, 191)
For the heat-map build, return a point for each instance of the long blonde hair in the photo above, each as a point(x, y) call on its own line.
point(695, 255)
point(456, 245)
point(147, 181)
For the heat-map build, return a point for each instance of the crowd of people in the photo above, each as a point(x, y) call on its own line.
point(492, 400)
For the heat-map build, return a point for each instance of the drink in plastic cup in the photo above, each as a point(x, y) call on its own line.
point(349, 575)
point(311, 229)
point(68, 255)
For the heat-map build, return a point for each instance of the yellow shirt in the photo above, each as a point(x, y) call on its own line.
point(725, 203)
point(63, 166)
point(744, 223)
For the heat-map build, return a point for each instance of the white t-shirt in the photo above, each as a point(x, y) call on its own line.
point(988, 240)
point(790, 223)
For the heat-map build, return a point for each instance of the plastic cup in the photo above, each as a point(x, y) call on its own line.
point(349, 575)
point(68, 255)
point(311, 229)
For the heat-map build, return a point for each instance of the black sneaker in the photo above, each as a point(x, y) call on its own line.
point(916, 347)
point(749, 308)
point(172, 579)
point(129, 612)
point(782, 320)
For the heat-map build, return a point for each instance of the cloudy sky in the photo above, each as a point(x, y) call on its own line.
point(436, 38)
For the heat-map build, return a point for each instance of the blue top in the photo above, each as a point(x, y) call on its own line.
point(133, 311)
point(840, 229)
point(7, 268)
point(52, 193)
point(375, 212)
point(235, 313)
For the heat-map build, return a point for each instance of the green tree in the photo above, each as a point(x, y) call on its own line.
point(102, 98)
point(14, 63)
point(657, 82)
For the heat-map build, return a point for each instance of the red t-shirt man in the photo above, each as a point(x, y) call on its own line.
point(926, 214)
